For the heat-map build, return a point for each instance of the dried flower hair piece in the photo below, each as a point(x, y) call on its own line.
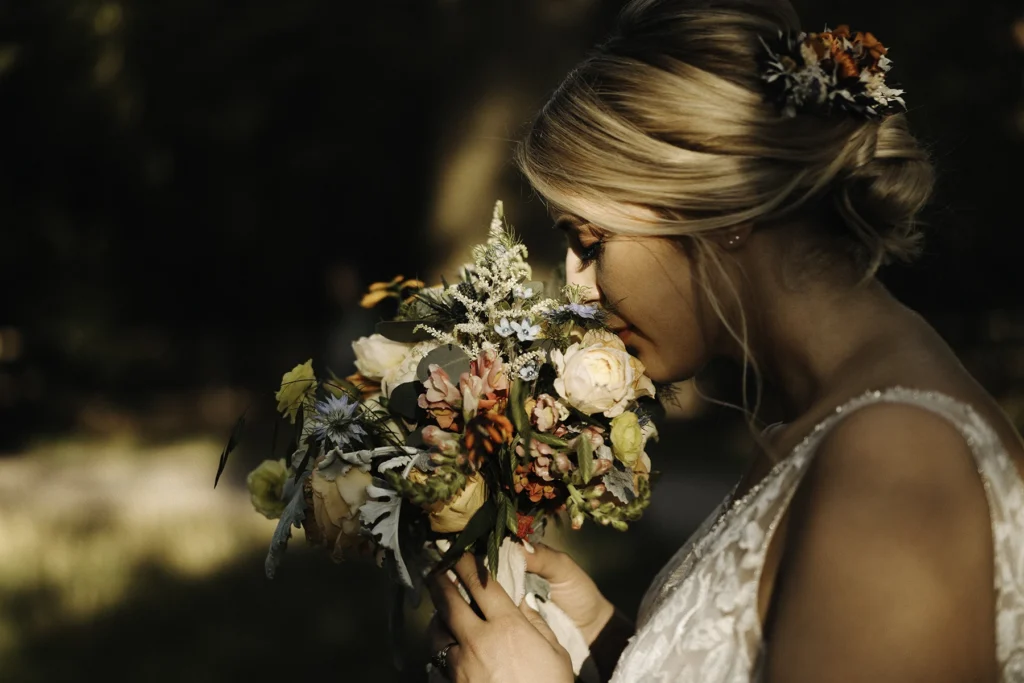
point(828, 72)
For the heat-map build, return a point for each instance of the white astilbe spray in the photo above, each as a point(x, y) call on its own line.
point(498, 293)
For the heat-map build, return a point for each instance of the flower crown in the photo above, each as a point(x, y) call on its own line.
point(822, 73)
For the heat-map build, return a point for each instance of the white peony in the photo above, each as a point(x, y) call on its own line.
point(597, 375)
point(377, 354)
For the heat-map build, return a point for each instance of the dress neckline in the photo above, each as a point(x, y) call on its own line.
point(731, 504)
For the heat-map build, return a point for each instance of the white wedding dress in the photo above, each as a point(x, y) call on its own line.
point(699, 620)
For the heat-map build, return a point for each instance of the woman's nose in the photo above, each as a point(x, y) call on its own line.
point(587, 278)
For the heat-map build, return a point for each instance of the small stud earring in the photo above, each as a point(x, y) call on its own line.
point(733, 240)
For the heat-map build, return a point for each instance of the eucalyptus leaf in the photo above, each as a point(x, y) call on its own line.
point(294, 513)
point(402, 330)
point(452, 360)
point(404, 401)
point(585, 456)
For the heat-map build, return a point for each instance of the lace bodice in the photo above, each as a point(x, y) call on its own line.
point(699, 621)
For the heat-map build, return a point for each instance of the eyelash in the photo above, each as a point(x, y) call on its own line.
point(589, 255)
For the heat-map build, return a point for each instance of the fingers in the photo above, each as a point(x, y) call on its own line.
point(485, 591)
point(452, 609)
point(537, 621)
point(551, 564)
point(438, 634)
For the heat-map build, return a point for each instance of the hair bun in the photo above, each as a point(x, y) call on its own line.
point(880, 197)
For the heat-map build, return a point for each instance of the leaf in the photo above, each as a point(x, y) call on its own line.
point(585, 456)
point(493, 551)
point(294, 513)
point(620, 484)
point(338, 386)
point(480, 524)
point(550, 440)
point(402, 331)
point(306, 457)
point(407, 461)
point(517, 408)
point(233, 441)
point(536, 285)
point(404, 401)
point(380, 515)
point(511, 520)
point(452, 360)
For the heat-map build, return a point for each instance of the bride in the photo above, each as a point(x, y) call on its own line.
point(729, 187)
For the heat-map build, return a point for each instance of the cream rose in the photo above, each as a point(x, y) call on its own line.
point(336, 501)
point(297, 385)
point(377, 354)
point(266, 487)
point(453, 516)
point(405, 371)
point(597, 375)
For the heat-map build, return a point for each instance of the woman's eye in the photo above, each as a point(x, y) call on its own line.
point(588, 254)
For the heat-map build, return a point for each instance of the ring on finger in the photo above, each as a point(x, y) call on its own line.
point(440, 658)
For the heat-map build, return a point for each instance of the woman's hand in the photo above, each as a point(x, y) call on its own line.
point(509, 645)
point(572, 590)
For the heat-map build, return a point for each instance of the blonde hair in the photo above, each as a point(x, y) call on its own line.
point(669, 116)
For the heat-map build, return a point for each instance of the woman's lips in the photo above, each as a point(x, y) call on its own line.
point(625, 334)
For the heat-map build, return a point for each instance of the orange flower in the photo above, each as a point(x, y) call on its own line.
point(366, 387)
point(873, 46)
point(847, 66)
point(485, 433)
point(389, 290)
point(524, 525)
point(524, 480)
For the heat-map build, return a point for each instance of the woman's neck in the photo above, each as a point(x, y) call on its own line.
point(813, 341)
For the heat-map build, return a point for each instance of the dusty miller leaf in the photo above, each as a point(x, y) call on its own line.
point(380, 515)
point(294, 513)
point(620, 484)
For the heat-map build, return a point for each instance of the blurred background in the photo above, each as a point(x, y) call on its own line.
point(194, 195)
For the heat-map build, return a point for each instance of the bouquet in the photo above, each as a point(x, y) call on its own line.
point(479, 413)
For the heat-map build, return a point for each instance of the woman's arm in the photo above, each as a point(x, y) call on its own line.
point(610, 642)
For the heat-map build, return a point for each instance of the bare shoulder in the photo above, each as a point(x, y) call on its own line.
point(886, 570)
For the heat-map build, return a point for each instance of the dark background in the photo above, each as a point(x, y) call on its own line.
point(193, 195)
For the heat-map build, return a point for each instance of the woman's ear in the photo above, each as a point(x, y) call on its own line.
point(732, 238)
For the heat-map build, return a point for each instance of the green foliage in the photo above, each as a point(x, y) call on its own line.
point(443, 483)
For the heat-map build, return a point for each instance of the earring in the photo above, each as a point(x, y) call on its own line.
point(733, 240)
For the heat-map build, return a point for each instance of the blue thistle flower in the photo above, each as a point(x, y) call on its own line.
point(336, 420)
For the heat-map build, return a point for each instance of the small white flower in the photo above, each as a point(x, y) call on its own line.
point(504, 328)
point(528, 373)
point(524, 330)
point(523, 292)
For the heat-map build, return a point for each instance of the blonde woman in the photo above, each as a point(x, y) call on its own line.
point(729, 186)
